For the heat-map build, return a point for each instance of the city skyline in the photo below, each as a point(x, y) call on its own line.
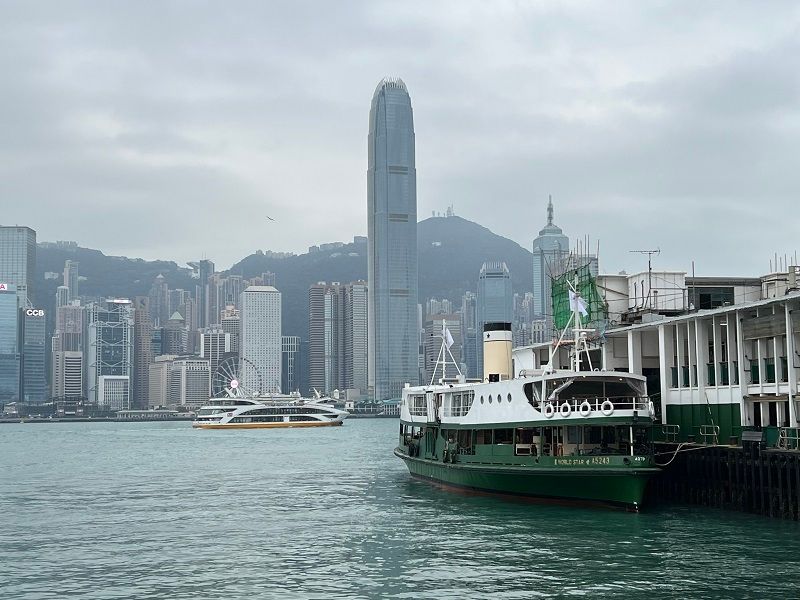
point(557, 103)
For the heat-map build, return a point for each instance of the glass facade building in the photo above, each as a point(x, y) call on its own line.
point(9, 344)
point(392, 239)
point(18, 259)
point(495, 302)
point(33, 379)
point(550, 249)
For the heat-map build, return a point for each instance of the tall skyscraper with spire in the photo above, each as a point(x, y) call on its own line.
point(550, 249)
point(392, 232)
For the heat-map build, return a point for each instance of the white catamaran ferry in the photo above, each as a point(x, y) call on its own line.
point(270, 412)
point(237, 406)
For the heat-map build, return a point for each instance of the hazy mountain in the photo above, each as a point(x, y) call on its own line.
point(451, 251)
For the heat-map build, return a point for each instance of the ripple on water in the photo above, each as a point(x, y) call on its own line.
point(139, 510)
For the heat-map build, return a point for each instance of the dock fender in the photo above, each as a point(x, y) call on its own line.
point(607, 408)
point(585, 409)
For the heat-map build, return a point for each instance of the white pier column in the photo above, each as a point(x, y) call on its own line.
point(635, 352)
point(742, 376)
point(792, 374)
point(664, 370)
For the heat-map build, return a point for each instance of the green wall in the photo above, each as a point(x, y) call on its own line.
point(691, 416)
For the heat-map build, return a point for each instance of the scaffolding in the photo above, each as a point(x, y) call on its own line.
point(578, 278)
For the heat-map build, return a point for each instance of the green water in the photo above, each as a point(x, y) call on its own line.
point(139, 510)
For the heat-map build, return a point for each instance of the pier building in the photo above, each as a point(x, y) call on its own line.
point(721, 355)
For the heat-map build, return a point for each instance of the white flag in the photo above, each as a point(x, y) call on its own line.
point(448, 339)
point(577, 303)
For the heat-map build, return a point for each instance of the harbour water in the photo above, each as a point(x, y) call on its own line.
point(158, 510)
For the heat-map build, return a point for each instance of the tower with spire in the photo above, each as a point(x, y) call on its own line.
point(550, 249)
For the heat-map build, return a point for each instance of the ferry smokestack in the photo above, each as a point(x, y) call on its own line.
point(496, 351)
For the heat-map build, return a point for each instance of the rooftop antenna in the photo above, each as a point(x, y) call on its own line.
point(650, 254)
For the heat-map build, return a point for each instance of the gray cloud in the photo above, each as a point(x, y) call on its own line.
point(172, 130)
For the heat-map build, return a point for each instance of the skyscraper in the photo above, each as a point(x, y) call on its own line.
point(204, 269)
point(392, 234)
point(337, 336)
point(33, 379)
point(110, 354)
point(261, 337)
point(550, 249)
point(9, 343)
point(143, 352)
point(292, 366)
point(495, 301)
point(18, 260)
point(71, 278)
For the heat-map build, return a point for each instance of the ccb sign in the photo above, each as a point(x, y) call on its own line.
point(34, 312)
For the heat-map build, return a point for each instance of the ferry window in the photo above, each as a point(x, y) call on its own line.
point(499, 398)
point(594, 435)
point(484, 436)
point(481, 399)
point(417, 405)
point(503, 436)
point(509, 398)
point(573, 434)
point(490, 398)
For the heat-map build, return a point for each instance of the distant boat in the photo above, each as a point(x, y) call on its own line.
point(267, 413)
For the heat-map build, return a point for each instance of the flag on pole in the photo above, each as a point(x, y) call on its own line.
point(448, 339)
point(577, 303)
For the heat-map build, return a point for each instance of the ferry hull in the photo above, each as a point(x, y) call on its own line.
point(623, 488)
point(265, 425)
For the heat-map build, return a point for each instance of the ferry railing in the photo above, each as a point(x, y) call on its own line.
point(789, 438)
point(710, 432)
point(671, 433)
point(596, 403)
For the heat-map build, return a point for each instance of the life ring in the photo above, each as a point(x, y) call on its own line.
point(607, 407)
point(549, 411)
point(585, 409)
point(565, 410)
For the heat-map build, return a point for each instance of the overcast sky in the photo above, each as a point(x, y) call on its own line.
point(172, 129)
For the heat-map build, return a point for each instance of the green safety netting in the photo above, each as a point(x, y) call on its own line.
point(581, 280)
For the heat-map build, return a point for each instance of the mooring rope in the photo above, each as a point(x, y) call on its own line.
point(675, 453)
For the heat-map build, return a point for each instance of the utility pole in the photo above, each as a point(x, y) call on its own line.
point(650, 254)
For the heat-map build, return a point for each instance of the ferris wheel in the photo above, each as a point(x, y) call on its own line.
point(236, 378)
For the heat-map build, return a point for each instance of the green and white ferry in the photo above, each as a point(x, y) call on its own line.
point(574, 436)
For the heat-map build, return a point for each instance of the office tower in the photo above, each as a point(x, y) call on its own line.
point(189, 382)
point(33, 378)
point(260, 342)
point(67, 374)
point(434, 306)
point(469, 331)
point(356, 341)
point(392, 234)
point(9, 343)
point(495, 301)
point(326, 336)
point(268, 278)
point(550, 249)
point(71, 278)
point(142, 351)
point(159, 302)
point(231, 323)
point(71, 324)
point(178, 298)
point(110, 354)
point(292, 366)
point(18, 260)
point(176, 335)
point(62, 296)
point(215, 346)
point(158, 377)
point(337, 336)
point(432, 345)
point(232, 289)
point(203, 269)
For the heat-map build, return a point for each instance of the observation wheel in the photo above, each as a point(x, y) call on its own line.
point(236, 378)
